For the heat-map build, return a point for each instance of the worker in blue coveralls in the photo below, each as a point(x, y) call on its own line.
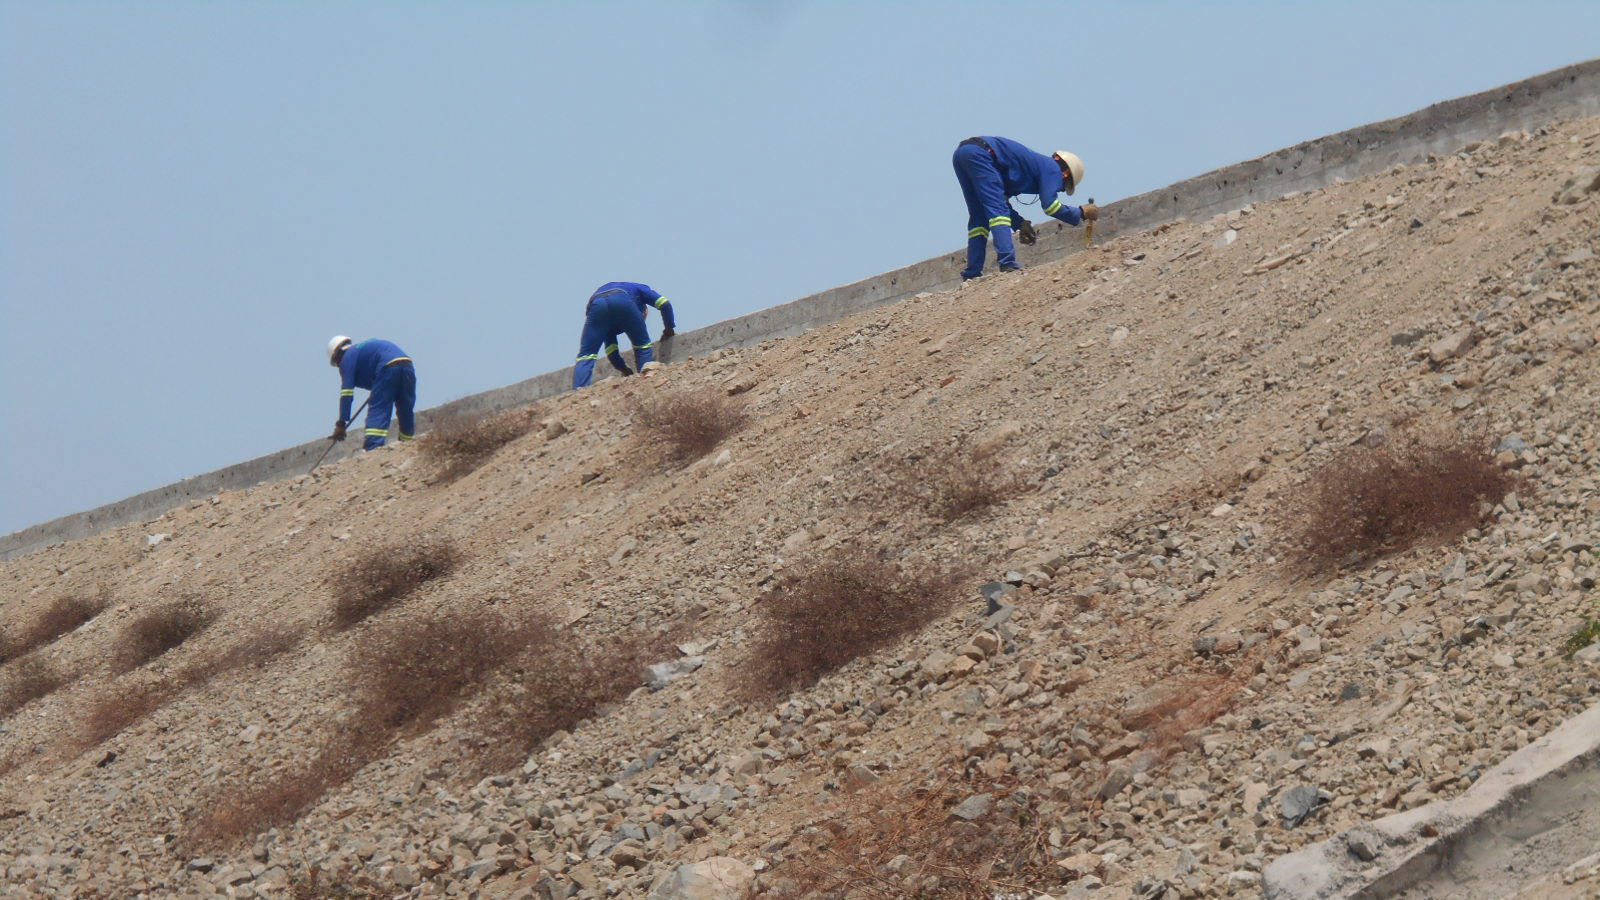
point(994, 169)
point(618, 307)
point(386, 371)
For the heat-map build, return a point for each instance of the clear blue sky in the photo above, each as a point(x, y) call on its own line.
point(195, 195)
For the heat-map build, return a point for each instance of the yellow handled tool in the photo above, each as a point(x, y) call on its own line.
point(1088, 227)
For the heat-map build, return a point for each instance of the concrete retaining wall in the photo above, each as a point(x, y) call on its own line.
point(1441, 128)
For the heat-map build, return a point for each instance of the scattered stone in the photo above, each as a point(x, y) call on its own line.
point(664, 673)
point(973, 808)
point(717, 878)
point(1451, 346)
point(1298, 802)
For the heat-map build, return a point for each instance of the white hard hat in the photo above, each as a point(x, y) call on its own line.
point(338, 341)
point(1074, 168)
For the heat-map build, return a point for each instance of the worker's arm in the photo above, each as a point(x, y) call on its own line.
point(347, 384)
point(1024, 228)
point(668, 320)
point(1054, 208)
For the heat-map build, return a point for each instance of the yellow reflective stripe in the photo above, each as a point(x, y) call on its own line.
point(999, 220)
point(977, 232)
point(349, 393)
point(405, 437)
point(377, 432)
point(1053, 208)
point(590, 356)
point(660, 302)
point(643, 347)
point(610, 349)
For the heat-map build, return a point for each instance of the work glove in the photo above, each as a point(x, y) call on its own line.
point(1025, 232)
point(667, 332)
point(1091, 213)
point(338, 431)
point(625, 371)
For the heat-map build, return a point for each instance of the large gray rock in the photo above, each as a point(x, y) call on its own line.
point(717, 878)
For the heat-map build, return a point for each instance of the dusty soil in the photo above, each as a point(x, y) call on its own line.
point(1165, 395)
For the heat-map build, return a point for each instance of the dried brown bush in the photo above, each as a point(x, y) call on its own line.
point(117, 707)
point(1371, 501)
point(556, 682)
point(457, 445)
point(406, 675)
point(834, 609)
point(381, 576)
point(26, 680)
point(161, 629)
point(950, 482)
point(314, 884)
point(60, 617)
point(252, 650)
point(891, 843)
point(687, 423)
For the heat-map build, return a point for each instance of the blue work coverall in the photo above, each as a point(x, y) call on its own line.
point(386, 371)
point(618, 307)
point(992, 170)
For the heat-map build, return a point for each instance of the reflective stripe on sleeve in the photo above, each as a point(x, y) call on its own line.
point(660, 302)
point(349, 393)
point(1053, 208)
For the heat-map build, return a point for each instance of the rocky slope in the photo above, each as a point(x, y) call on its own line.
point(1166, 395)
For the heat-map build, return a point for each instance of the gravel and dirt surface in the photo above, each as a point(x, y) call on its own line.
point(1164, 702)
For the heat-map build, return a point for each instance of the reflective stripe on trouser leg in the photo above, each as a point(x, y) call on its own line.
point(380, 406)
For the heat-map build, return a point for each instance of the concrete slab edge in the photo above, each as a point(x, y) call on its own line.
point(1444, 127)
point(1414, 844)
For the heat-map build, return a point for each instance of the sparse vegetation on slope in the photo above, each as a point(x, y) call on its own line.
point(26, 680)
point(384, 575)
point(1370, 501)
point(688, 423)
point(159, 630)
point(63, 615)
point(835, 609)
point(457, 445)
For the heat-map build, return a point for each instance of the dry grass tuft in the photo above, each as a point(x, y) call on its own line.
point(117, 707)
point(1372, 501)
point(688, 423)
point(64, 615)
point(952, 482)
point(249, 652)
point(838, 607)
point(884, 843)
point(382, 576)
point(161, 629)
point(407, 675)
point(26, 680)
point(457, 445)
point(313, 884)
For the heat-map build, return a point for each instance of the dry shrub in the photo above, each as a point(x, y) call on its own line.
point(952, 482)
point(60, 617)
point(117, 707)
point(886, 843)
point(836, 608)
point(457, 445)
point(689, 422)
point(382, 576)
point(314, 884)
point(1371, 501)
point(251, 651)
point(159, 630)
point(27, 680)
point(406, 675)
point(557, 682)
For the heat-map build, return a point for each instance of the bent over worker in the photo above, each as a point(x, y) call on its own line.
point(994, 169)
point(618, 307)
point(386, 371)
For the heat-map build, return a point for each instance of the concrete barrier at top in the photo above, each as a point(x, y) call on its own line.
point(1442, 128)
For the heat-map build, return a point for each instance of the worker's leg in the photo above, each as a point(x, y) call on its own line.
point(631, 323)
point(977, 219)
point(405, 402)
point(991, 192)
point(380, 406)
point(594, 336)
